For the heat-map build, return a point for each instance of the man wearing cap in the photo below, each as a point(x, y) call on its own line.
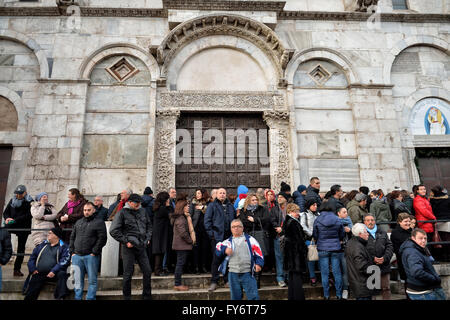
point(17, 215)
point(49, 262)
point(133, 229)
point(357, 208)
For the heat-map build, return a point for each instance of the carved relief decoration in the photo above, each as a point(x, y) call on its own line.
point(233, 101)
point(165, 146)
point(257, 33)
point(278, 122)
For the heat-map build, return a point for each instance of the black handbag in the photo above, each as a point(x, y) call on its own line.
point(262, 238)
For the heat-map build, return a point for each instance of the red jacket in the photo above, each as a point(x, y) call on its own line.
point(422, 208)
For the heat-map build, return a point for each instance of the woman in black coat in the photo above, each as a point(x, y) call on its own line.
point(255, 217)
point(201, 250)
point(161, 225)
point(295, 252)
point(400, 234)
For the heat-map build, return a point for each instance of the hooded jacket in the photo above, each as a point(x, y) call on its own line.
point(313, 193)
point(358, 261)
point(132, 226)
point(88, 236)
point(440, 204)
point(44, 217)
point(420, 274)
point(5, 246)
point(399, 207)
point(355, 212)
point(62, 257)
point(328, 232)
point(299, 199)
point(240, 190)
point(423, 210)
point(218, 218)
point(381, 210)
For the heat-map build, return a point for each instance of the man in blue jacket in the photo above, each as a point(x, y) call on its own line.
point(422, 281)
point(218, 217)
point(299, 197)
point(49, 262)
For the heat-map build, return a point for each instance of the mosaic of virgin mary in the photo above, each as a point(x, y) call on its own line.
point(435, 122)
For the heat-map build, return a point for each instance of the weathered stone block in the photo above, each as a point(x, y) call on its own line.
point(49, 125)
point(99, 123)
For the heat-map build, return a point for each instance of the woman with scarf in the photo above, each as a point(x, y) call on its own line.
point(307, 219)
point(71, 212)
point(256, 220)
point(183, 239)
point(201, 249)
point(44, 217)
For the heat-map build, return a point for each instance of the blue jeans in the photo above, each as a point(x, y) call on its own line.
point(435, 294)
point(90, 264)
point(239, 281)
point(311, 269)
point(281, 276)
point(324, 262)
point(344, 272)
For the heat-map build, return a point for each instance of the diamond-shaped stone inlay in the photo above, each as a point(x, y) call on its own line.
point(122, 70)
point(320, 75)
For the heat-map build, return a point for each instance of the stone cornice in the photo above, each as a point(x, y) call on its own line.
point(226, 6)
point(362, 16)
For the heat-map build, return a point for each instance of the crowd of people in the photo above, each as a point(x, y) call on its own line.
point(338, 237)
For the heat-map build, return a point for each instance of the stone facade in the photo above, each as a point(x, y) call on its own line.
point(93, 90)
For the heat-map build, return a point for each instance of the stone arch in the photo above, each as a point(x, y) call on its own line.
point(431, 41)
point(223, 24)
point(411, 101)
point(118, 49)
point(321, 53)
point(33, 46)
point(16, 101)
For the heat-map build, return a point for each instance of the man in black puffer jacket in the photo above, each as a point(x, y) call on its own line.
point(422, 281)
point(312, 192)
point(133, 229)
point(87, 239)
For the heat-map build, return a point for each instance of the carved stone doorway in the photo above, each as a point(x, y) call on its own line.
point(251, 170)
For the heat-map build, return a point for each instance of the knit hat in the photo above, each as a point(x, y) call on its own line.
point(360, 197)
point(135, 198)
point(310, 202)
point(285, 195)
point(40, 195)
point(285, 187)
point(148, 190)
point(301, 188)
point(58, 232)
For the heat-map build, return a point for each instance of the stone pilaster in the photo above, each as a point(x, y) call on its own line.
point(280, 151)
point(165, 148)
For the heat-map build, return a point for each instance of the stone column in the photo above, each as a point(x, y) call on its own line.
point(280, 151)
point(165, 148)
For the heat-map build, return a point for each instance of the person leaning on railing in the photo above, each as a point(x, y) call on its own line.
point(440, 203)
